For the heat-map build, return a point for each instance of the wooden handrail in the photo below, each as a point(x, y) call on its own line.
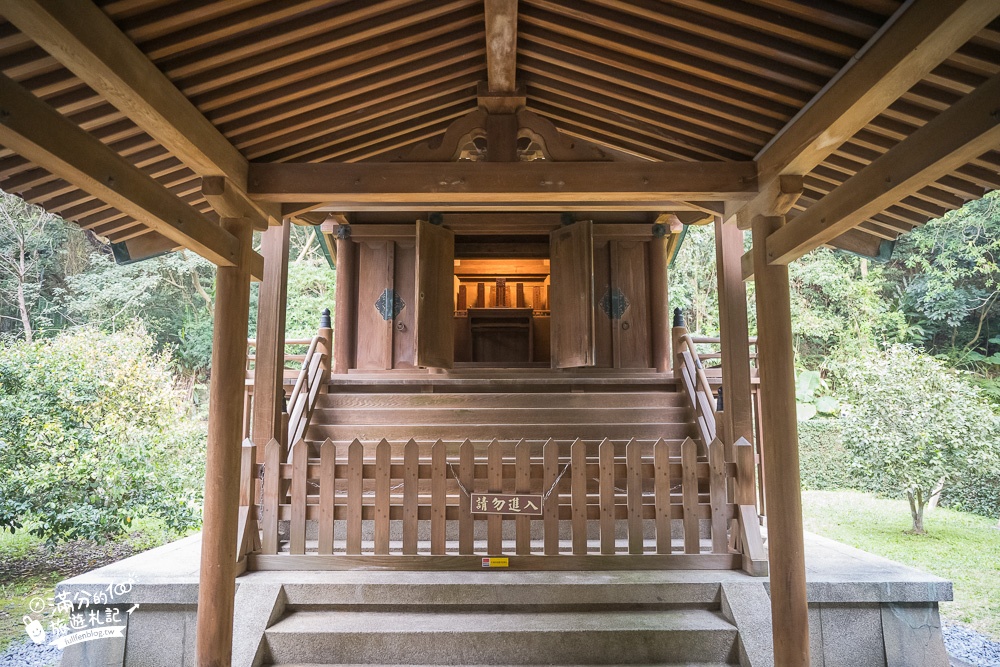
point(697, 387)
point(307, 387)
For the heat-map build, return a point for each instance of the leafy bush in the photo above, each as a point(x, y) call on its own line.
point(913, 425)
point(93, 436)
point(824, 462)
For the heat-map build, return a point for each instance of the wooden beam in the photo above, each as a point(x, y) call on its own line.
point(501, 45)
point(923, 36)
point(80, 35)
point(959, 134)
point(777, 198)
point(230, 202)
point(39, 133)
point(496, 184)
point(786, 543)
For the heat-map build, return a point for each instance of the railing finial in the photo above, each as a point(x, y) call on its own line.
point(324, 319)
point(678, 317)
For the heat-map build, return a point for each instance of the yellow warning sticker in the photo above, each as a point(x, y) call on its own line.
point(496, 562)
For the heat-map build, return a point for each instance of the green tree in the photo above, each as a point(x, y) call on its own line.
point(93, 435)
point(30, 243)
point(913, 425)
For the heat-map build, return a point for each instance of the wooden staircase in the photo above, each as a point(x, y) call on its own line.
point(507, 405)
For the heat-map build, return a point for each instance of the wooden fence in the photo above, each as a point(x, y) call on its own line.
point(604, 505)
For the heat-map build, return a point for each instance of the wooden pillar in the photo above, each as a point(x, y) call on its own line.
point(217, 583)
point(344, 308)
point(789, 608)
point(659, 298)
point(734, 332)
point(268, 378)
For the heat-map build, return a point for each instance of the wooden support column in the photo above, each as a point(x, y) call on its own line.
point(734, 332)
point(659, 298)
point(268, 377)
point(344, 307)
point(217, 583)
point(789, 608)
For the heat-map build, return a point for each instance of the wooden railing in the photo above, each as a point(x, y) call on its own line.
point(409, 506)
point(307, 387)
point(292, 365)
point(716, 342)
point(714, 377)
point(696, 386)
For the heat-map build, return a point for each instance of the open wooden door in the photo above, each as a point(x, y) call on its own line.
point(571, 295)
point(435, 312)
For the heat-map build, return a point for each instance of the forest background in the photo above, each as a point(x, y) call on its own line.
point(104, 368)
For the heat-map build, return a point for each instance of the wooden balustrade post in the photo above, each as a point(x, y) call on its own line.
point(325, 347)
point(344, 310)
point(217, 582)
point(676, 333)
point(659, 298)
point(269, 367)
point(789, 606)
point(733, 333)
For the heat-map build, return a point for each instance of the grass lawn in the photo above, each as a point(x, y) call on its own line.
point(964, 548)
point(28, 569)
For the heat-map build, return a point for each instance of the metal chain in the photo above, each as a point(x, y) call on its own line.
point(460, 485)
point(545, 496)
point(260, 504)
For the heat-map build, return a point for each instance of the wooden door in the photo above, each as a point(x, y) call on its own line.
point(435, 312)
point(571, 295)
point(630, 328)
point(376, 265)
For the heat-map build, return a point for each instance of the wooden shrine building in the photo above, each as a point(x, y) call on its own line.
point(503, 186)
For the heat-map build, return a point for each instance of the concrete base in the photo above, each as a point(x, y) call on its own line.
point(864, 610)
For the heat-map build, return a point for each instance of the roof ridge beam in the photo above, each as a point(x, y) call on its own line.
point(961, 133)
point(88, 43)
point(919, 39)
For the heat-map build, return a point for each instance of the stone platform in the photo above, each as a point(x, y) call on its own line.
point(865, 611)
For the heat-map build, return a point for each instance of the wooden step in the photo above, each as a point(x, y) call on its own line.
point(451, 431)
point(641, 399)
point(484, 416)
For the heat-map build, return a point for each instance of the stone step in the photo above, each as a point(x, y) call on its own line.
point(361, 589)
point(494, 638)
point(660, 664)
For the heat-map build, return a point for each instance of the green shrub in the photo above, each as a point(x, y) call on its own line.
point(824, 462)
point(92, 436)
point(914, 426)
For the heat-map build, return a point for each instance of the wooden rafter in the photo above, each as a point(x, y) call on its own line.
point(966, 130)
point(499, 184)
point(38, 132)
point(80, 36)
point(924, 35)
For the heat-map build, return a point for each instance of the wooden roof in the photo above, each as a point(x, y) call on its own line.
point(321, 81)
